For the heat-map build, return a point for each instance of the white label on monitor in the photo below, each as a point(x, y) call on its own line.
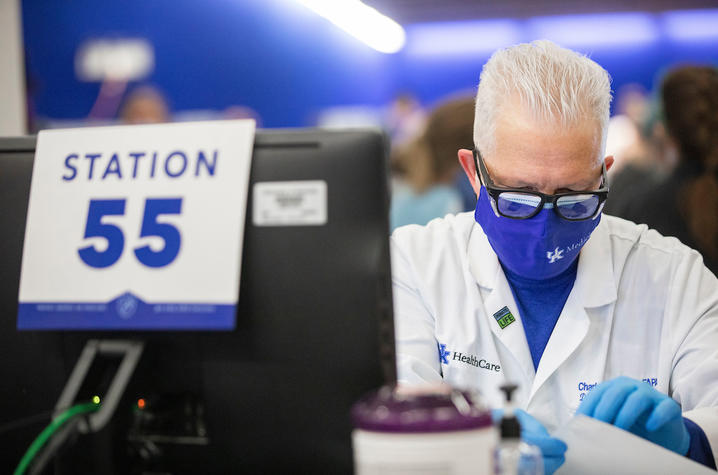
point(290, 203)
point(136, 227)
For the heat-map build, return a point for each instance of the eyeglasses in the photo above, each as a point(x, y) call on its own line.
point(522, 204)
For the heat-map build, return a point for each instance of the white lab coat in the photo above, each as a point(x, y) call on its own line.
point(643, 306)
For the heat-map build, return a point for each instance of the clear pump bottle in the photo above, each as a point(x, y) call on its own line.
point(512, 456)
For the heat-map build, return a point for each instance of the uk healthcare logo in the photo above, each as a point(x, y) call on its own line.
point(558, 253)
point(555, 255)
point(444, 354)
point(465, 358)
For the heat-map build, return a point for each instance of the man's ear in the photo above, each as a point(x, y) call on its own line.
point(609, 162)
point(466, 159)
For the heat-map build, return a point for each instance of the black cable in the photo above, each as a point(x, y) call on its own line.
point(51, 430)
point(25, 421)
point(30, 420)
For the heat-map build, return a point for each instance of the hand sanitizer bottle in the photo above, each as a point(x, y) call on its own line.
point(512, 456)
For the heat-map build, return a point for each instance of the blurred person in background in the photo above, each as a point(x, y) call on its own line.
point(685, 204)
point(636, 139)
point(405, 119)
point(626, 137)
point(144, 105)
point(237, 111)
point(637, 164)
point(428, 173)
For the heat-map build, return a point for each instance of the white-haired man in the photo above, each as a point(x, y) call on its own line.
point(587, 313)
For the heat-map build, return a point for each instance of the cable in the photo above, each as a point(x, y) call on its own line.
point(49, 431)
point(28, 421)
point(53, 446)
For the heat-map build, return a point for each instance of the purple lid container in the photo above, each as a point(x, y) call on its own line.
point(386, 411)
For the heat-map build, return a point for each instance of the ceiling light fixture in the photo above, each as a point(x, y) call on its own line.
point(362, 22)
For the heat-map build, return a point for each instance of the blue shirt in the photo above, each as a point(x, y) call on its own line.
point(540, 303)
point(409, 207)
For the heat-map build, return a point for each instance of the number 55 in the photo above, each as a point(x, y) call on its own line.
point(116, 240)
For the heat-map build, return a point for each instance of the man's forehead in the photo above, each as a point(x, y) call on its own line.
point(545, 155)
point(520, 131)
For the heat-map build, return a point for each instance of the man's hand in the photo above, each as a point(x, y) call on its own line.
point(534, 433)
point(638, 408)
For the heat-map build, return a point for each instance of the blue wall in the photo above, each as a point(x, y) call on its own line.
point(271, 55)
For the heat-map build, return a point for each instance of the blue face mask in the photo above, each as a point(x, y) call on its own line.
point(538, 248)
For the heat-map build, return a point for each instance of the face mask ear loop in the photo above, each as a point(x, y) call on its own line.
point(598, 213)
point(493, 205)
point(491, 201)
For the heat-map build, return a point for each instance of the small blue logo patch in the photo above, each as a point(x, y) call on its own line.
point(126, 306)
point(443, 354)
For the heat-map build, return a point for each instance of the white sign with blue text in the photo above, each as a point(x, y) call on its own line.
point(136, 227)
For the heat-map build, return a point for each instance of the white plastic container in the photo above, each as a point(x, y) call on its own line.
point(422, 434)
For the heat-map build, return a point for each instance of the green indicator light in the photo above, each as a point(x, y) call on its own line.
point(96, 399)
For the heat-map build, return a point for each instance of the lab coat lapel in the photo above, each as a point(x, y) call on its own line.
point(594, 287)
point(569, 332)
point(495, 294)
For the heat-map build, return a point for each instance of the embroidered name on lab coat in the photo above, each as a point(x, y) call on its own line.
point(446, 357)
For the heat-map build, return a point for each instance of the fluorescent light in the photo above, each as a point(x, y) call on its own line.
point(691, 25)
point(462, 38)
point(606, 29)
point(362, 22)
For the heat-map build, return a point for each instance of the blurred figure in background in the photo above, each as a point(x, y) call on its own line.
point(144, 105)
point(685, 204)
point(242, 112)
point(427, 168)
point(632, 140)
point(625, 140)
point(405, 119)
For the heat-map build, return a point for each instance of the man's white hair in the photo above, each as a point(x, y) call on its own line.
point(555, 85)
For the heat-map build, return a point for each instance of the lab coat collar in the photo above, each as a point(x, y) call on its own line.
point(483, 262)
point(595, 283)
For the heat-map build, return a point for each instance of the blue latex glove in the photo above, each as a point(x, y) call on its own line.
point(534, 433)
point(637, 407)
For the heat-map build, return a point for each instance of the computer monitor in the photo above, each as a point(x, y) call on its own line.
point(313, 333)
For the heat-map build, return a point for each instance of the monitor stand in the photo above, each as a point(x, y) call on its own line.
point(130, 352)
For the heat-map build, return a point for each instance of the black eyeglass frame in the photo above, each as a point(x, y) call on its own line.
point(494, 192)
